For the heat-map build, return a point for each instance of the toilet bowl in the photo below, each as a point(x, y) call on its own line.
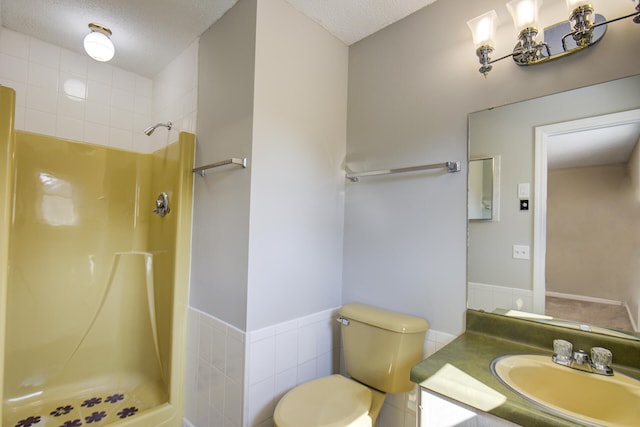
point(380, 347)
point(333, 401)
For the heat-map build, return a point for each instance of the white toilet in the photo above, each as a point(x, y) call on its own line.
point(380, 347)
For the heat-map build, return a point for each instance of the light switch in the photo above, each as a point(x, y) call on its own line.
point(523, 191)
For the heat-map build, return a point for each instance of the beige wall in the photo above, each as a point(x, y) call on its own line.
point(634, 172)
point(593, 238)
point(634, 168)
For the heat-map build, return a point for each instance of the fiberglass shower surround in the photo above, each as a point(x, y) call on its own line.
point(97, 286)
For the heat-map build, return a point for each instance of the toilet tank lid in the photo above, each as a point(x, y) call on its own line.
point(385, 319)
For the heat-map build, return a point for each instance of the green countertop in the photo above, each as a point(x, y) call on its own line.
point(488, 336)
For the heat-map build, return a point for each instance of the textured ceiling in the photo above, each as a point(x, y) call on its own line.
point(353, 20)
point(148, 34)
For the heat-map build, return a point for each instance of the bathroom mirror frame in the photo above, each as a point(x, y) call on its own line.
point(482, 189)
point(515, 276)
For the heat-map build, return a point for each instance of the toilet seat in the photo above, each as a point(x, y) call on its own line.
point(333, 401)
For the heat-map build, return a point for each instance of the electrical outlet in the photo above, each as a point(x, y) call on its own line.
point(411, 400)
point(520, 252)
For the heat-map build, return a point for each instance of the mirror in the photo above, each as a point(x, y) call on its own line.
point(549, 256)
point(481, 179)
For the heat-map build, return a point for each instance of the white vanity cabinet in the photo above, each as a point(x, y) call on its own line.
point(437, 411)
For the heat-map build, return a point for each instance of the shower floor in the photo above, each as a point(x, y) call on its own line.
point(99, 406)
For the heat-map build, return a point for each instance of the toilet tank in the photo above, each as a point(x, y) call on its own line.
point(381, 346)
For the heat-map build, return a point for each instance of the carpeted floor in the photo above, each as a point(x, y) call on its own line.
point(593, 313)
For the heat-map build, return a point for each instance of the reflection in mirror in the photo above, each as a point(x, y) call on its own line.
point(507, 258)
point(480, 188)
point(590, 204)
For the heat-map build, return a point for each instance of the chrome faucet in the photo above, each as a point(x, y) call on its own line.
point(162, 204)
point(598, 363)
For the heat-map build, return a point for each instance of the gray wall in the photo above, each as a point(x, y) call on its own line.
point(411, 87)
point(508, 131)
point(219, 255)
point(297, 181)
point(267, 243)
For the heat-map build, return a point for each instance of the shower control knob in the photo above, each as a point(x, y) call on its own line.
point(162, 204)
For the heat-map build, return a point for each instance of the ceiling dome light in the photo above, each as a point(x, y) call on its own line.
point(97, 43)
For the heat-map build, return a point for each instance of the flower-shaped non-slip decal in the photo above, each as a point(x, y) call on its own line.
point(28, 422)
point(128, 412)
point(95, 417)
point(61, 410)
point(70, 415)
point(114, 398)
point(90, 403)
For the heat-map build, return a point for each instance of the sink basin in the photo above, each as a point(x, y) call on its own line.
point(588, 398)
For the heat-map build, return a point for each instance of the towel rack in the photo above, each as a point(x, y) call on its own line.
point(450, 166)
point(235, 161)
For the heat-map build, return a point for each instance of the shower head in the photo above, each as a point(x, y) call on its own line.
point(148, 131)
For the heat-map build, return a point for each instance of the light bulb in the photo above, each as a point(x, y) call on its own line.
point(524, 13)
point(97, 43)
point(483, 28)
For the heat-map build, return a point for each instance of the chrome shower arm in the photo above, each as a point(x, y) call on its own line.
point(148, 131)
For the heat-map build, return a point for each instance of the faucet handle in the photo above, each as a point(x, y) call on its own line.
point(563, 351)
point(601, 359)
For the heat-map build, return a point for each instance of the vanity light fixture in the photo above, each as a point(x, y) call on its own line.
point(578, 35)
point(98, 44)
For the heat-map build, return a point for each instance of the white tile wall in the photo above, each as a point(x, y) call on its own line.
point(68, 95)
point(214, 377)
point(489, 297)
point(175, 98)
point(435, 340)
point(235, 379)
point(283, 356)
point(275, 360)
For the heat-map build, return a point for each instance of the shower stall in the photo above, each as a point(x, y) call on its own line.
point(93, 283)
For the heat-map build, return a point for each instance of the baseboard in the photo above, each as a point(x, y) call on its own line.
point(634, 325)
point(583, 298)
